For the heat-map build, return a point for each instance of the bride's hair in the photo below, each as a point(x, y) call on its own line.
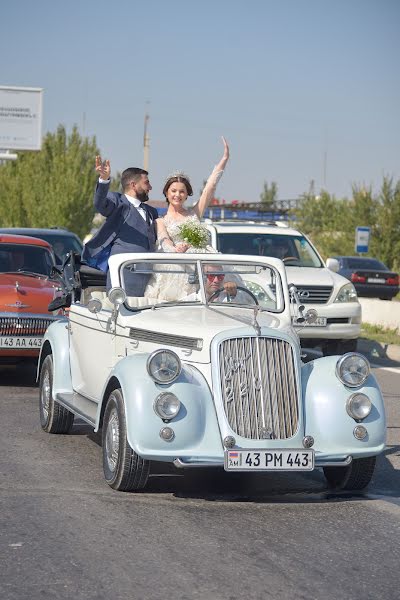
point(181, 178)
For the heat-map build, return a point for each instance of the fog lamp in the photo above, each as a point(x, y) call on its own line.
point(358, 406)
point(308, 441)
point(229, 441)
point(166, 406)
point(167, 434)
point(352, 369)
point(360, 432)
point(164, 366)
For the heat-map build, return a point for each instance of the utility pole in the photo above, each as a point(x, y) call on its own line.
point(146, 143)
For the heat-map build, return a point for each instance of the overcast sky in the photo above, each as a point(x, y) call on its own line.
point(302, 89)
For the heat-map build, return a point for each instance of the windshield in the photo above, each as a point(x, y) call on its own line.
point(31, 259)
point(62, 244)
point(201, 282)
point(294, 250)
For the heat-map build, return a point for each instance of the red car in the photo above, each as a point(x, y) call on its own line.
point(27, 287)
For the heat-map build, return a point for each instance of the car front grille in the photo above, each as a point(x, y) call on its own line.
point(258, 387)
point(25, 326)
point(314, 294)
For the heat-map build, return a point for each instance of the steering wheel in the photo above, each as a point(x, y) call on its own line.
point(287, 258)
point(239, 287)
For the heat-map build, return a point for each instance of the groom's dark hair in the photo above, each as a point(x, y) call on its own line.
point(131, 174)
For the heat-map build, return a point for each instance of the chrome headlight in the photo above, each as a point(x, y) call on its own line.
point(164, 366)
point(166, 406)
point(352, 369)
point(358, 406)
point(347, 293)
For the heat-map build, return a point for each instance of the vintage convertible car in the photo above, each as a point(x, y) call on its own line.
point(205, 376)
point(26, 288)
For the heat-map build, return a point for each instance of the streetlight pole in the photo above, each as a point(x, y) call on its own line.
point(146, 144)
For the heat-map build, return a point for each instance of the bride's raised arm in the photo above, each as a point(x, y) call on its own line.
point(211, 185)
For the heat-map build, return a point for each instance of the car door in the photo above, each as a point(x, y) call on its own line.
point(92, 349)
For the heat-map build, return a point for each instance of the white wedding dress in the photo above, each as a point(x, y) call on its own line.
point(169, 287)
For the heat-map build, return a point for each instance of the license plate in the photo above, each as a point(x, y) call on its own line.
point(28, 343)
point(269, 460)
point(377, 280)
point(319, 322)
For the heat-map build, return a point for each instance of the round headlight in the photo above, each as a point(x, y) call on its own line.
point(166, 406)
point(164, 366)
point(352, 369)
point(358, 406)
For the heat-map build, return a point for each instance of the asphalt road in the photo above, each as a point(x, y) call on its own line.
point(202, 536)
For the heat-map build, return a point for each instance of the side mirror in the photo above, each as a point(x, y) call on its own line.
point(333, 264)
point(94, 305)
point(63, 301)
point(55, 272)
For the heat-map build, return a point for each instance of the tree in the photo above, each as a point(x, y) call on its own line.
point(53, 187)
point(269, 195)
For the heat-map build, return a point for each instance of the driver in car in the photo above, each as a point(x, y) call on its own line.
point(214, 283)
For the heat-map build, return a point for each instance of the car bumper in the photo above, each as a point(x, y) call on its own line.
point(343, 322)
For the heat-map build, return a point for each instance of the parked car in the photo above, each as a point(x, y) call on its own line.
point(27, 286)
point(370, 276)
point(339, 313)
point(62, 240)
point(205, 379)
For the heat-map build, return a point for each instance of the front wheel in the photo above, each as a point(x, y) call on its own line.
point(355, 477)
point(124, 470)
point(54, 418)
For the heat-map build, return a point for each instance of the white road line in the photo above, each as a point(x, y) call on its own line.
point(390, 369)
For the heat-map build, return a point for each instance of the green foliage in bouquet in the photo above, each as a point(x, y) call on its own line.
point(194, 234)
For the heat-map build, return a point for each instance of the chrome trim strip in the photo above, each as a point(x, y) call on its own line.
point(343, 462)
point(145, 335)
point(181, 464)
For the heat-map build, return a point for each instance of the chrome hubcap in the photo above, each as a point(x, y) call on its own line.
point(112, 440)
point(45, 394)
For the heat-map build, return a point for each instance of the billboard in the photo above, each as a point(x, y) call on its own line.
point(20, 118)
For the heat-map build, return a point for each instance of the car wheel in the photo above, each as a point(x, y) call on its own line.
point(124, 470)
point(54, 418)
point(352, 478)
point(330, 348)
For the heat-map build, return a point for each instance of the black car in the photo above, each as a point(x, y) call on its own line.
point(62, 240)
point(370, 276)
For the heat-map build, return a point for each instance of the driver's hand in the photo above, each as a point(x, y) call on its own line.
point(230, 288)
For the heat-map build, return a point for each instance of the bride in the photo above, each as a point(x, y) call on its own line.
point(176, 190)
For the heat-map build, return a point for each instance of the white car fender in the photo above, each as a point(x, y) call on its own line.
point(56, 343)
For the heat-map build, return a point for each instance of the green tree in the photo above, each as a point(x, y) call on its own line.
point(52, 187)
point(269, 195)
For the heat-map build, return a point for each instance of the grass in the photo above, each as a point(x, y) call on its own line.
point(380, 334)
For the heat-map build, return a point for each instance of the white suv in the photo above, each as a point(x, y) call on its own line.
point(333, 297)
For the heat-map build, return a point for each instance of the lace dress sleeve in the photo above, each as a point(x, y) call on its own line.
point(164, 241)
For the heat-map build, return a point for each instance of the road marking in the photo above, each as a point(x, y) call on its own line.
point(390, 369)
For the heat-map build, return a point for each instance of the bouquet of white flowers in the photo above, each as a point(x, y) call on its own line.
point(194, 234)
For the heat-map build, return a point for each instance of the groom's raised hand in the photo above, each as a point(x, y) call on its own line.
point(103, 168)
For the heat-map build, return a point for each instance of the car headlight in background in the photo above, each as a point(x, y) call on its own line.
point(347, 293)
point(164, 366)
point(166, 406)
point(255, 289)
point(358, 406)
point(352, 369)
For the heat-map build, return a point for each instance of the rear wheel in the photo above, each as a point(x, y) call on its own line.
point(54, 418)
point(352, 478)
point(124, 470)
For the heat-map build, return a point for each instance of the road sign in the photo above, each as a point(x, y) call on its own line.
point(362, 239)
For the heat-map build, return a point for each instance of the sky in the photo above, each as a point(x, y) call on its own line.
point(303, 90)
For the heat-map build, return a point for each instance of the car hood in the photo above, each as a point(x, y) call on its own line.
point(161, 325)
point(314, 276)
point(25, 294)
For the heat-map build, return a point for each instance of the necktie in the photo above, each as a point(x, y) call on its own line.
point(146, 210)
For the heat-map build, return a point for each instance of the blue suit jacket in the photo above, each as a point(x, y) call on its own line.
point(116, 207)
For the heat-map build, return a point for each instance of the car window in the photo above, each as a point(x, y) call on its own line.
point(186, 282)
point(293, 250)
point(21, 257)
point(63, 244)
point(363, 263)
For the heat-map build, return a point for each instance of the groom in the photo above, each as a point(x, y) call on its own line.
point(130, 223)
